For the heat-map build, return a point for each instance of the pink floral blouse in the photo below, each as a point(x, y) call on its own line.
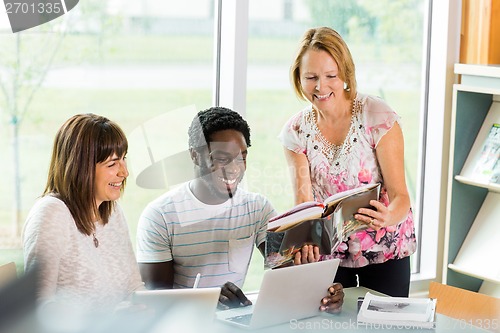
point(339, 168)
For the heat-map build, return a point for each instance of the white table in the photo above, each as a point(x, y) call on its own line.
point(346, 321)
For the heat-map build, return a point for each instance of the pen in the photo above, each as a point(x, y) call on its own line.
point(196, 281)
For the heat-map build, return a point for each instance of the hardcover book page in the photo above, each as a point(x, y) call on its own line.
point(480, 155)
point(311, 224)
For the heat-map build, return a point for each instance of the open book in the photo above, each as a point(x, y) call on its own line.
point(324, 224)
point(397, 312)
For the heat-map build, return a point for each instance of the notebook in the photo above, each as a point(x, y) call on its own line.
point(286, 293)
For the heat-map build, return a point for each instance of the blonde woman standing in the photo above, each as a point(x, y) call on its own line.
point(342, 140)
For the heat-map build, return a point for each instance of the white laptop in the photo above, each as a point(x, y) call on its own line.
point(286, 293)
point(199, 303)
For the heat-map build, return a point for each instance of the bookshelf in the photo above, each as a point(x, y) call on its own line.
point(472, 234)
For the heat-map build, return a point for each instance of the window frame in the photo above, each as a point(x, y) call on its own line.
point(444, 46)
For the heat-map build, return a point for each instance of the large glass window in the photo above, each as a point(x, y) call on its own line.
point(136, 60)
point(386, 39)
point(129, 61)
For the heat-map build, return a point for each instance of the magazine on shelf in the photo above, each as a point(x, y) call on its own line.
point(487, 167)
point(325, 224)
point(397, 311)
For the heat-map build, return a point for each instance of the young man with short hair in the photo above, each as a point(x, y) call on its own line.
point(209, 225)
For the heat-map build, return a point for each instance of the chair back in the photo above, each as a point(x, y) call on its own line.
point(475, 308)
point(7, 273)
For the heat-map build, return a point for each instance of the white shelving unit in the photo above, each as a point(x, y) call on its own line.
point(472, 231)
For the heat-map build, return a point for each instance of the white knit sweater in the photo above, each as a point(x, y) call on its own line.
point(72, 268)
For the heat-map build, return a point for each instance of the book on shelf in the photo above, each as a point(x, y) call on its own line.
point(324, 224)
point(397, 312)
point(487, 167)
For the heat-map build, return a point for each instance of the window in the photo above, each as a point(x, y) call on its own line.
point(388, 43)
point(129, 61)
point(133, 61)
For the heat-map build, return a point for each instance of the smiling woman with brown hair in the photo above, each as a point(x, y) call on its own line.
point(76, 233)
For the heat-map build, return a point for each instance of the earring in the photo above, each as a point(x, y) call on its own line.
point(346, 88)
point(194, 156)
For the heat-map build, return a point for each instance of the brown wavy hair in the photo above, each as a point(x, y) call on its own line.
point(328, 40)
point(83, 141)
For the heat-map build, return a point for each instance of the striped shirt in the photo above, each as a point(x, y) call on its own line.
point(214, 240)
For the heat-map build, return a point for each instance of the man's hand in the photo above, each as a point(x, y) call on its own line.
point(307, 254)
point(232, 297)
point(332, 303)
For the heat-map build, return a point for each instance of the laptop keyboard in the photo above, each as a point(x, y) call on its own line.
point(242, 319)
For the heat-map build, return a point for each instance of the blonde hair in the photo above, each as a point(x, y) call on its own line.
point(330, 41)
